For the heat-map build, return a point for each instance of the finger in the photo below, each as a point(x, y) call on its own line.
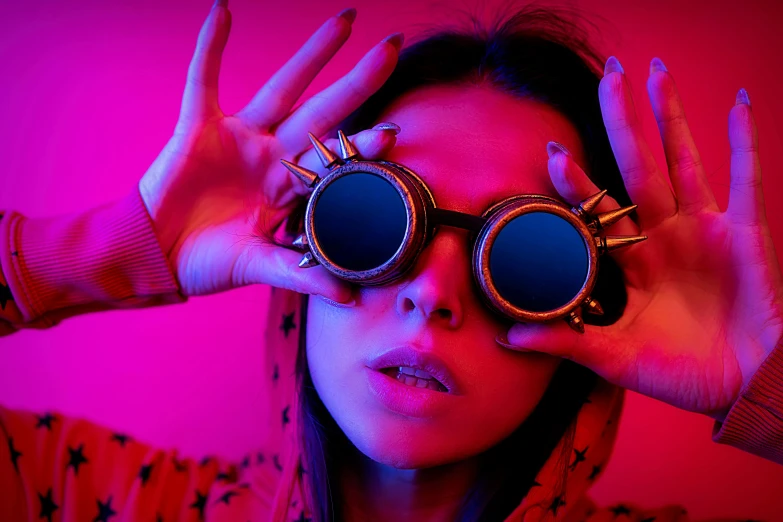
point(573, 185)
point(275, 99)
point(372, 144)
point(746, 198)
point(594, 348)
point(266, 263)
point(323, 111)
point(645, 183)
point(686, 171)
point(200, 99)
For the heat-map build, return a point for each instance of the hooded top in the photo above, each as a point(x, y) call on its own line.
point(64, 469)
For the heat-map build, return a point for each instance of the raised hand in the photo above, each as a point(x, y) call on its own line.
point(218, 181)
point(705, 294)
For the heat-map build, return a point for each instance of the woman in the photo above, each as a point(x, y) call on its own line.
point(701, 332)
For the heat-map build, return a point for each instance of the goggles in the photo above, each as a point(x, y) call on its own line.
point(534, 258)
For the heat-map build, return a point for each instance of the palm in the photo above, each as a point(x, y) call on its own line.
point(686, 315)
point(218, 188)
point(705, 293)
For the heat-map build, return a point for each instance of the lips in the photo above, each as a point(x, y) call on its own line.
point(418, 360)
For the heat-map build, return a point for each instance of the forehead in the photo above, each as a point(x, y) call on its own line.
point(475, 144)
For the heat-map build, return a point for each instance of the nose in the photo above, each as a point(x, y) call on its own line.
point(438, 285)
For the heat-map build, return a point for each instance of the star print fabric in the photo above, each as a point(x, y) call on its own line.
point(57, 468)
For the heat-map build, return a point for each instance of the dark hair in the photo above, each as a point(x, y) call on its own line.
point(535, 53)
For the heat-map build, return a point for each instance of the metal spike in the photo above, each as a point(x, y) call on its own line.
point(328, 158)
point(607, 219)
point(592, 306)
point(301, 242)
point(586, 206)
point(308, 261)
point(575, 322)
point(607, 244)
point(309, 177)
point(347, 149)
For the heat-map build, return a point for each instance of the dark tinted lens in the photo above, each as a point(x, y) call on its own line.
point(360, 221)
point(538, 262)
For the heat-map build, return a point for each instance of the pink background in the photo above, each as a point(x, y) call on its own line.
point(90, 94)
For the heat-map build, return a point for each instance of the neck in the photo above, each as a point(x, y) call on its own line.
point(374, 491)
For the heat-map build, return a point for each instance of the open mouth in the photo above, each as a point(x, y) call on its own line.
point(415, 378)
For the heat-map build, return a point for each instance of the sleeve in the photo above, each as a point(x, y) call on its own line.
point(57, 267)
point(755, 421)
point(57, 468)
point(587, 511)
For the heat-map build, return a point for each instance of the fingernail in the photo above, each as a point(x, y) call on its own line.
point(348, 14)
point(553, 147)
point(742, 97)
point(502, 340)
point(396, 40)
point(613, 65)
point(387, 125)
point(657, 65)
point(349, 304)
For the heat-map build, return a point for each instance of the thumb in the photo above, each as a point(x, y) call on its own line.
point(278, 266)
point(590, 349)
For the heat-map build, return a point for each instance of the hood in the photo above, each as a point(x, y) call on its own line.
point(553, 496)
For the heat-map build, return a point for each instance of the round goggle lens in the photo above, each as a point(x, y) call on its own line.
point(538, 262)
point(360, 221)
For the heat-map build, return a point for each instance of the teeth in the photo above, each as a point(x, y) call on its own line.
point(421, 374)
point(411, 377)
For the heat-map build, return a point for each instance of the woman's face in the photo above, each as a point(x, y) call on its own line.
point(471, 146)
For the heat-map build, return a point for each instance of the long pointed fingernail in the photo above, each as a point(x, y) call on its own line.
point(396, 40)
point(656, 64)
point(613, 65)
point(348, 14)
point(387, 125)
point(742, 97)
point(553, 147)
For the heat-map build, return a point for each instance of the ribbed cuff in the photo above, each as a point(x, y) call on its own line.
point(108, 255)
point(755, 422)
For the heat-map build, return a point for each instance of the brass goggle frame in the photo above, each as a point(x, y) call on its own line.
point(424, 217)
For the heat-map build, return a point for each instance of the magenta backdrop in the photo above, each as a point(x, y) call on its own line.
point(90, 95)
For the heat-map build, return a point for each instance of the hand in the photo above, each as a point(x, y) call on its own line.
point(705, 296)
point(218, 182)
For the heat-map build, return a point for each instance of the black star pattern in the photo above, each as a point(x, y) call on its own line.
point(226, 497)
point(205, 461)
point(594, 473)
point(121, 438)
point(48, 507)
point(260, 458)
point(245, 462)
point(620, 509)
point(578, 457)
point(300, 470)
point(77, 459)
point(651, 519)
point(104, 511)
point(5, 295)
point(288, 323)
point(293, 504)
point(15, 253)
point(222, 476)
point(45, 421)
point(276, 460)
point(302, 518)
point(556, 504)
point(286, 420)
point(199, 503)
point(275, 374)
point(144, 473)
point(14, 453)
point(179, 465)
